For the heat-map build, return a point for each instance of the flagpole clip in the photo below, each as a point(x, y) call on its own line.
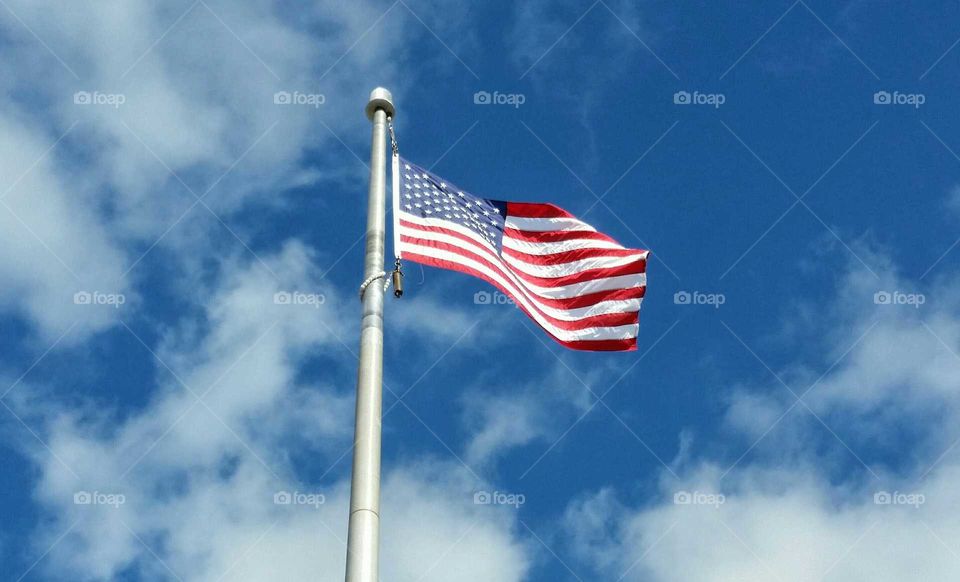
point(394, 147)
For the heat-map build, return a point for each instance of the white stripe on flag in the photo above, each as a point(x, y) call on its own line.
point(546, 224)
point(552, 248)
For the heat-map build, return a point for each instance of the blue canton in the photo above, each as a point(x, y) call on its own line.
point(428, 196)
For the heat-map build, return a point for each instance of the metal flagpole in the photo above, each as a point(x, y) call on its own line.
point(363, 537)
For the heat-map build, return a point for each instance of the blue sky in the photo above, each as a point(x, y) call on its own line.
point(790, 413)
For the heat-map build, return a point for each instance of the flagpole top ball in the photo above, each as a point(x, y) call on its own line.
point(380, 98)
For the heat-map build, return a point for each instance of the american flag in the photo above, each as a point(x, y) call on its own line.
point(582, 287)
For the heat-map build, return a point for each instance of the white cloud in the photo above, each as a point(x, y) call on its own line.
point(50, 246)
point(794, 510)
point(199, 478)
point(501, 422)
point(526, 411)
point(198, 83)
point(434, 321)
point(776, 525)
point(441, 316)
point(953, 200)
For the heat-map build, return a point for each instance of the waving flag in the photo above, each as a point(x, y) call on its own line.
point(579, 285)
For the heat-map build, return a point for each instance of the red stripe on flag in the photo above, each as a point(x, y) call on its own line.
point(594, 298)
point(555, 235)
point(624, 345)
point(536, 210)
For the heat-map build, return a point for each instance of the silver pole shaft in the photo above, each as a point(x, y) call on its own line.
point(363, 537)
